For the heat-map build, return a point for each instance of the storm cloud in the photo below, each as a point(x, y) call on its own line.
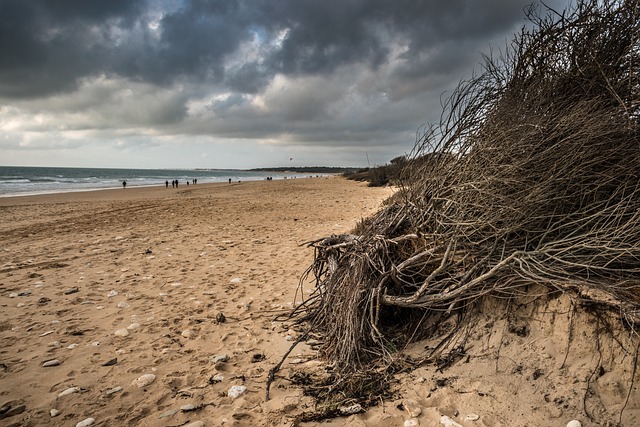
point(341, 75)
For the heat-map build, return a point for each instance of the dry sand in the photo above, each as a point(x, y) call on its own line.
point(118, 284)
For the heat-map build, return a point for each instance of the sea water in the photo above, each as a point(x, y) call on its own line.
point(18, 180)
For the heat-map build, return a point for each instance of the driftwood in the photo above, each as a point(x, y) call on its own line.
point(531, 177)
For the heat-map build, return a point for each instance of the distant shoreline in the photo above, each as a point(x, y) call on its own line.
point(306, 169)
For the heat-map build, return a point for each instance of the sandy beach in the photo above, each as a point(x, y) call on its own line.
point(156, 307)
point(117, 284)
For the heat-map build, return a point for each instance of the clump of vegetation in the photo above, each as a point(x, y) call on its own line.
point(379, 176)
point(531, 177)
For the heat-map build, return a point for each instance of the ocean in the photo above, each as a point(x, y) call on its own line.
point(18, 180)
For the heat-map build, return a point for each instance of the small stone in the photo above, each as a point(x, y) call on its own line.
point(86, 423)
point(44, 334)
point(235, 280)
point(411, 422)
point(13, 295)
point(110, 362)
point(574, 423)
point(49, 363)
point(24, 294)
point(72, 346)
point(112, 293)
point(144, 380)
point(122, 332)
point(220, 318)
point(217, 378)
point(169, 413)
point(20, 305)
point(187, 333)
point(71, 291)
point(219, 358)
point(123, 304)
point(257, 357)
point(113, 391)
point(55, 344)
point(68, 391)
point(134, 325)
point(448, 422)
point(54, 413)
point(412, 408)
point(188, 407)
point(289, 338)
point(236, 391)
point(472, 417)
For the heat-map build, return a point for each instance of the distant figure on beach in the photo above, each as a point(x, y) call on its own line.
point(229, 180)
point(166, 184)
point(176, 183)
point(187, 183)
point(124, 184)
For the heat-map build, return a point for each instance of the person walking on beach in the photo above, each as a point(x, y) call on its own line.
point(166, 184)
point(124, 184)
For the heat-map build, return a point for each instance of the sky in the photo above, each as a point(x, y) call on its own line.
point(234, 83)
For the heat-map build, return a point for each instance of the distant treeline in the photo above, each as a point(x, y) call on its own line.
point(306, 169)
point(379, 176)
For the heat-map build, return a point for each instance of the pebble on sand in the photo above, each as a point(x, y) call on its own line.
point(54, 413)
point(219, 358)
point(69, 390)
point(412, 422)
point(49, 363)
point(122, 332)
point(574, 423)
point(144, 380)
point(86, 423)
point(113, 391)
point(448, 422)
point(412, 407)
point(236, 391)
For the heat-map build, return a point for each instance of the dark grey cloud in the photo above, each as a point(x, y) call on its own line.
point(48, 46)
point(325, 76)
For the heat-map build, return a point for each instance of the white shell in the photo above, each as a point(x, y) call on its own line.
point(144, 380)
point(86, 423)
